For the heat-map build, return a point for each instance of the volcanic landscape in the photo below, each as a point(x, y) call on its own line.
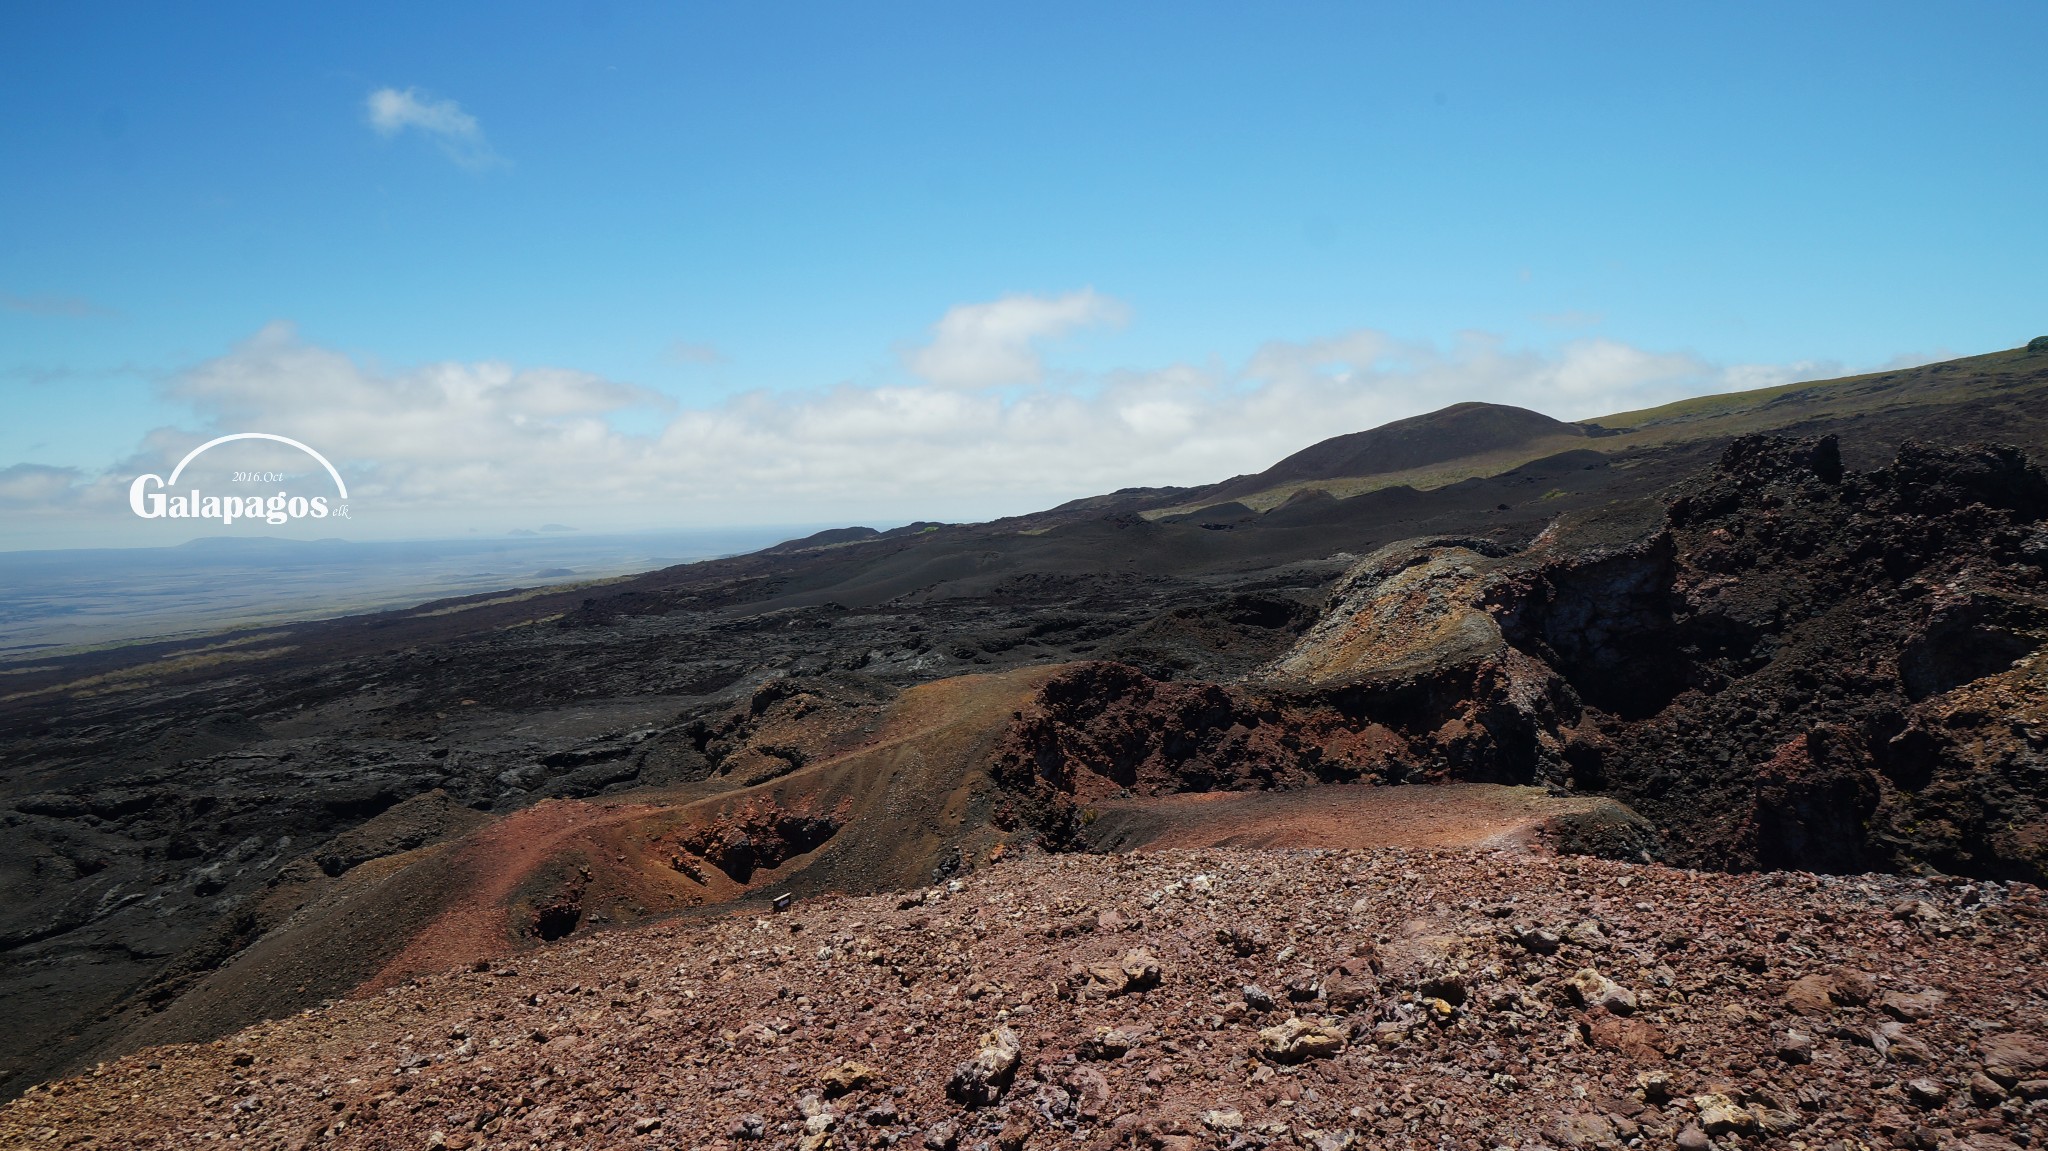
point(1675, 778)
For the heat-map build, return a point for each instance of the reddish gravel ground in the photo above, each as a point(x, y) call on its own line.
point(1403, 998)
point(1343, 816)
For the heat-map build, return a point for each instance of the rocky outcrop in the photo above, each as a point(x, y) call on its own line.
point(777, 728)
point(760, 834)
point(1106, 730)
point(1795, 665)
point(1408, 609)
point(1825, 629)
point(1406, 677)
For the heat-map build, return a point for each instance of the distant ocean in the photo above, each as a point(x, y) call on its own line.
point(54, 600)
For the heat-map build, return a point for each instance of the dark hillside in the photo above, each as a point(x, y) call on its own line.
point(1461, 430)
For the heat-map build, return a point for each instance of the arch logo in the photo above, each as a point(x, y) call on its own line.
point(151, 496)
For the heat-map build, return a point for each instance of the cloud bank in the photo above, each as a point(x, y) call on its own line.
point(978, 426)
point(392, 111)
point(997, 344)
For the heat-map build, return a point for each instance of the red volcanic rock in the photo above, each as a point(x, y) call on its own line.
point(849, 1022)
point(1798, 666)
point(760, 834)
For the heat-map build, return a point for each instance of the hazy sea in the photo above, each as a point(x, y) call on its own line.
point(54, 600)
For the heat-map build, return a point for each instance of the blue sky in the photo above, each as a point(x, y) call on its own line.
point(644, 231)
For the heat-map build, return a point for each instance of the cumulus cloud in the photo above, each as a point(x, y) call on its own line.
point(38, 485)
point(436, 432)
point(1372, 376)
point(997, 343)
point(456, 132)
point(969, 438)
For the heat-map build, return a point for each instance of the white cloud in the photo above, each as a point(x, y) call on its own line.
point(38, 485)
point(443, 447)
point(429, 433)
point(1371, 376)
point(996, 344)
point(455, 131)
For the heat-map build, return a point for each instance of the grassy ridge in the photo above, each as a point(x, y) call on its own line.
point(2010, 386)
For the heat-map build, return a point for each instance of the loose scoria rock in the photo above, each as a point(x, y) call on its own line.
point(981, 1081)
point(1720, 1115)
point(1795, 1047)
point(1299, 1039)
point(1821, 994)
point(1592, 989)
point(1134, 971)
point(1351, 986)
point(847, 1077)
point(1929, 1093)
point(2010, 1057)
point(1537, 940)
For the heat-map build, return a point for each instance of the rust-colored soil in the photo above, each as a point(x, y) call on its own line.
point(896, 807)
point(910, 804)
point(494, 862)
point(1351, 817)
